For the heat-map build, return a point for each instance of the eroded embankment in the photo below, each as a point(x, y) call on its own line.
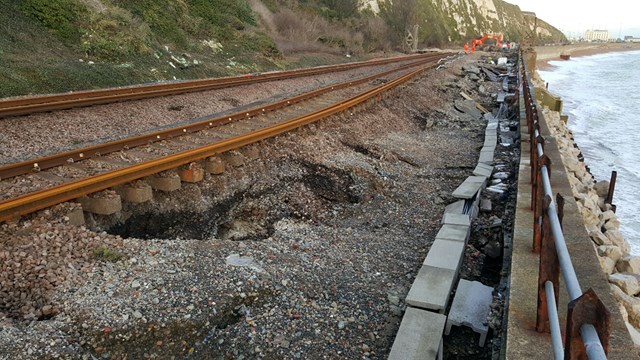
point(308, 248)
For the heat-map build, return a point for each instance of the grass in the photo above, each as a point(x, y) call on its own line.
point(106, 254)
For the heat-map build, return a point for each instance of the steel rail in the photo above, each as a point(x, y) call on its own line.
point(70, 156)
point(590, 338)
point(13, 208)
point(28, 105)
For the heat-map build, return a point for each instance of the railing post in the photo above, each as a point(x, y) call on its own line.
point(549, 270)
point(560, 208)
point(539, 196)
point(587, 309)
point(612, 188)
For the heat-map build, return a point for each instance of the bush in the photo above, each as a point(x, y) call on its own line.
point(60, 16)
point(116, 34)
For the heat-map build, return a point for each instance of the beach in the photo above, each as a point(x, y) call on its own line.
point(549, 53)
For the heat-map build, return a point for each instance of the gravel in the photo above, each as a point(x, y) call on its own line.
point(31, 136)
point(329, 226)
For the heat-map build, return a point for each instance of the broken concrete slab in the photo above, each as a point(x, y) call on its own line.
point(445, 254)
point(485, 205)
point(483, 170)
point(431, 288)
point(471, 307)
point(419, 336)
point(489, 117)
point(455, 208)
point(471, 69)
point(456, 219)
point(468, 107)
point(470, 186)
point(453, 232)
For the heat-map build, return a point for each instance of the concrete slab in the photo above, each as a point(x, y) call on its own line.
point(453, 232)
point(485, 205)
point(445, 254)
point(470, 187)
point(490, 143)
point(468, 107)
point(456, 219)
point(431, 288)
point(419, 336)
point(455, 208)
point(483, 170)
point(486, 157)
point(471, 307)
point(489, 117)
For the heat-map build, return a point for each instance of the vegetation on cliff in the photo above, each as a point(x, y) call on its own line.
point(61, 45)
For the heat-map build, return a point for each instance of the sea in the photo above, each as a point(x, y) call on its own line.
point(601, 95)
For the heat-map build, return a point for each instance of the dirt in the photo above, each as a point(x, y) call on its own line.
point(330, 223)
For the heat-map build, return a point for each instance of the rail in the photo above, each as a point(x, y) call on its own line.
point(26, 204)
point(46, 162)
point(33, 104)
point(588, 324)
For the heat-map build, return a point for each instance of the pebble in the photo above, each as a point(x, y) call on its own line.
point(341, 325)
point(393, 299)
point(137, 314)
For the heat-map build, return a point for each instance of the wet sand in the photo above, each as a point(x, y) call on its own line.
point(549, 53)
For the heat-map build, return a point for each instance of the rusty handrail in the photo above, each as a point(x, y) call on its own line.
point(582, 338)
point(33, 104)
point(13, 208)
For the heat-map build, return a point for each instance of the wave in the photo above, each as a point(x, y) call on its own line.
point(601, 95)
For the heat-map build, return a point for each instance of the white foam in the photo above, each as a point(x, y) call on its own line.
point(601, 95)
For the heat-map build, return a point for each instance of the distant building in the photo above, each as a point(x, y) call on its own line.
point(596, 35)
point(632, 39)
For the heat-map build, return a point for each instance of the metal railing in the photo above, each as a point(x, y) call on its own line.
point(588, 321)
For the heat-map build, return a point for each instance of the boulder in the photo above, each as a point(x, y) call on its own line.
point(608, 215)
point(602, 188)
point(611, 251)
point(634, 333)
point(627, 282)
point(617, 239)
point(632, 304)
point(599, 238)
point(607, 265)
point(629, 264)
point(589, 217)
point(612, 224)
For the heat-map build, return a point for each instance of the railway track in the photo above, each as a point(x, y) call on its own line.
point(72, 174)
point(29, 105)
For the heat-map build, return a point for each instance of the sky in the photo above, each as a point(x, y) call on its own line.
point(573, 17)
